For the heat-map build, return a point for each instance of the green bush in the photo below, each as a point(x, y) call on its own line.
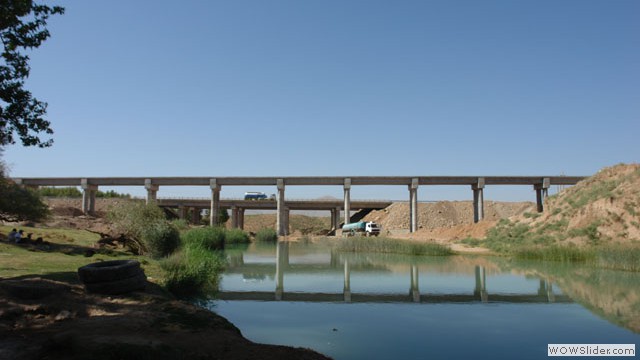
point(267, 235)
point(193, 271)
point(236, 236)
point(180, 224)
point(160, 238)
point(208, 238)
point(60, 191)
point(132, 217)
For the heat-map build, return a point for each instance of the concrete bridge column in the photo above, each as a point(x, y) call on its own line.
point(287, 212)
point(481, 284)
point(195, 216)
point(347, 281)
point(413, 205)
point(335, 220)
point(415, 288)
point(347, 200)
point(281, 224)
point(215, 202)
point(241, 218)
point(478, 200)
point(542, 191)
point(183, 212)
point(88, 197)
point(152, 191)
point(234, 217)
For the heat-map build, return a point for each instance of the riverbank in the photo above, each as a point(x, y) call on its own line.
point(43, 318)
point(46, 313)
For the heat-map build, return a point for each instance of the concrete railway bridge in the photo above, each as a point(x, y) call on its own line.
point(540, 184)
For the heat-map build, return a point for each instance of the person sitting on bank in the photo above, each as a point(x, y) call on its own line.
point(18, 236)
point(12, 235)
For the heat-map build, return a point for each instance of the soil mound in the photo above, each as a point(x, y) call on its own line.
point(601, 208)
point(445, 215)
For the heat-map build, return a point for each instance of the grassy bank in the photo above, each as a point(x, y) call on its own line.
point(392, 246)
point(68, 250)
point(546, 242)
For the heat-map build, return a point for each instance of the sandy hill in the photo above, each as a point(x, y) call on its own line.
point(602, 208)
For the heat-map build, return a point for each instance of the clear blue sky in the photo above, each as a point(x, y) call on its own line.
point(297, 88)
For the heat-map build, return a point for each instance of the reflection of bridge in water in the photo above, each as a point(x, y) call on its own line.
point(544, 294)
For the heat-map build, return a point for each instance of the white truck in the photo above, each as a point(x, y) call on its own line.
point(368, 228)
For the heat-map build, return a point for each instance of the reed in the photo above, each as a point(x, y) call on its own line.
point(387, 245)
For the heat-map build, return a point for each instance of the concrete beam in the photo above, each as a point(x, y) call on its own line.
point(309, 180)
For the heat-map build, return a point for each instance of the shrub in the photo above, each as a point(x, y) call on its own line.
point(180, 224)
point(236, 236)
point(160, 238)
point(193, 271)
point(208, 238)
point(267, 235)
point(132, 217)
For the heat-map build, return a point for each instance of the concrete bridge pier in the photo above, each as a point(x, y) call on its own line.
point(241, 218)
point(542, 191)
point(183, 212)
point(347, 200)
point(478, 200)
point(152, 191)
point(88, 197)
point(234, 217)
point(413, 205)
point(195, 216)
point(335, 220)
point(415, 288)
point(281, 222)
point(215, 202)
point(347, 281)
point(481, 284)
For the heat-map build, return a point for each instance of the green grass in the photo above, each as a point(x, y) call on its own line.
point(266, 235)
point(387, 245)
point(61, 260)
point(236, 236)
point(210, 238)
point(194, 271)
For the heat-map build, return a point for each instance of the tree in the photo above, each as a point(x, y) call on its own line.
point(22, 27)
point(18, 203)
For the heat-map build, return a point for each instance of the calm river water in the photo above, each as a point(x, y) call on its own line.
point(377, 306)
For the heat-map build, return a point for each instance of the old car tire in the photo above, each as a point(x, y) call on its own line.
point(137, 282)
point(107, 271)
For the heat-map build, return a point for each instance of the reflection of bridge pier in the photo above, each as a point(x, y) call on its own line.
point(347, 282)
point(546, 289)
point(415, 288)
point(481, 284)
point(282, 261)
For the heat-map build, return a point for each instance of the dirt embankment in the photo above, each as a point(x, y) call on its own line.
point(445, 221)
point(602, 208)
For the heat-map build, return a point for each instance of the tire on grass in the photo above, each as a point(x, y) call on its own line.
point(122, 286)
point(107, 271)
